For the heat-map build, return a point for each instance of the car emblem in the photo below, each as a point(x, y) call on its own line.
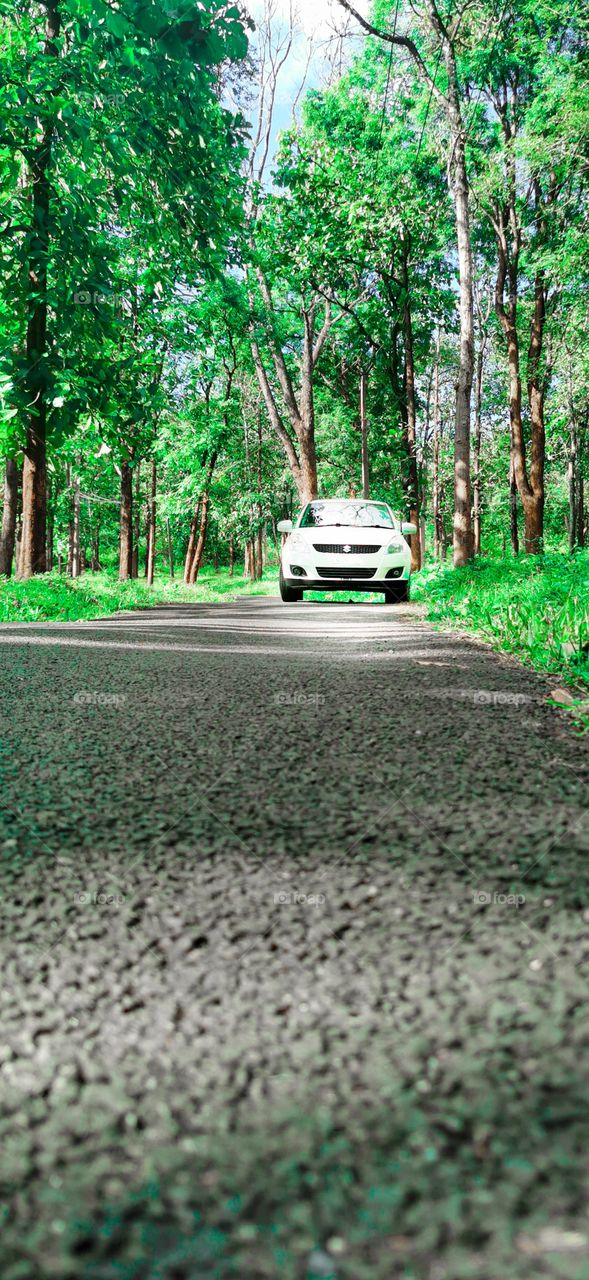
point(347, 547)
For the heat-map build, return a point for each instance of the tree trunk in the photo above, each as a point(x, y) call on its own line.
point(136, 524)
point(257, 549)
point(410, 423)
point(513, 529)
point(126, 523)
point(572, 486)
point(195, 546)
point(477, 454)
point(301, 414)
point(50, 535)
point(306, 429)
point(580, 512)
point(191, 542)
point(463, 547)
point(151, 526)
point(33, 554)
point(308, 489)
point(507, 225)
point(436, 459)
point(259, 511)
point(259, 553)
point(443, 537)
point(9, 510)
point(95, 559)
point(364, 435)
point(534, 503)
point(250, 567)
point(170, 548)
point(76, 559)
point(451, 102)
point(231, 555)
point(458, 181)
point(200, 545)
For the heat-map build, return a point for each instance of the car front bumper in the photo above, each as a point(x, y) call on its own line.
point(322, 572)
point(345, 584)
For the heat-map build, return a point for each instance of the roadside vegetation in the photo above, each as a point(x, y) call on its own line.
point(55, 598)
point(536, 608)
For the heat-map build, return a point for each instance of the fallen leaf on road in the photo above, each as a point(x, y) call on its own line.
point(562, 696)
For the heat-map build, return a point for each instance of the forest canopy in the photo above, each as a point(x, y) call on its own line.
point(200, 330)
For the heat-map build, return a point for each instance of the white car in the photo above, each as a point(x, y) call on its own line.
point(342, 544)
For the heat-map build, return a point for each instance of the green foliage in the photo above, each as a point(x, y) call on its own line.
point(145, 193)
point(536, 608)
point(53, 597)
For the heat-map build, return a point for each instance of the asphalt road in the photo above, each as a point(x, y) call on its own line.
point(294, 952)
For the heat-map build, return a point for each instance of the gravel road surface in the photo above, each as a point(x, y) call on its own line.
point(294, 952)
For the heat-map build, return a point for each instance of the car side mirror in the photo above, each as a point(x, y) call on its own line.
point(284, 526)
point(406, 528)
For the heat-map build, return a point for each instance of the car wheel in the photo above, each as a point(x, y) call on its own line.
point(289, 594)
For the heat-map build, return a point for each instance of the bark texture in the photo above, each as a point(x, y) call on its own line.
point(9, 513)
point(126, 523)
point(410, 416)
point(151, 525)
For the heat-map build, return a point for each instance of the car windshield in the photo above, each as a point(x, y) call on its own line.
point(359, 515)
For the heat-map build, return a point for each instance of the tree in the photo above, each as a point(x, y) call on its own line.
point(155, 152)
point(443, 37)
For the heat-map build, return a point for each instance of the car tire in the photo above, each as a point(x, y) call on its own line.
point(398, 594)
point(289, 594)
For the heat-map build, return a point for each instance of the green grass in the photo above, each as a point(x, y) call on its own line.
point(536, 608)
point(52, 597)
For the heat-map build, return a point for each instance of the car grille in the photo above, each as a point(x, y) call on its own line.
point(355, 549)
point(344, 571)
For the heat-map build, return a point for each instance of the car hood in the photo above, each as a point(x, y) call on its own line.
point(344, 535)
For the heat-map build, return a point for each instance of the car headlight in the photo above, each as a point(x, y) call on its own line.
point(296, 539)
point(397, 543)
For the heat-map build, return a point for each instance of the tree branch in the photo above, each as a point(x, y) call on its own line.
point(402, 42)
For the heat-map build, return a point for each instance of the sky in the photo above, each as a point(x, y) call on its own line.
point(316, 25)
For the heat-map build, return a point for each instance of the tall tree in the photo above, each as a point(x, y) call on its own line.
point(443, 35)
